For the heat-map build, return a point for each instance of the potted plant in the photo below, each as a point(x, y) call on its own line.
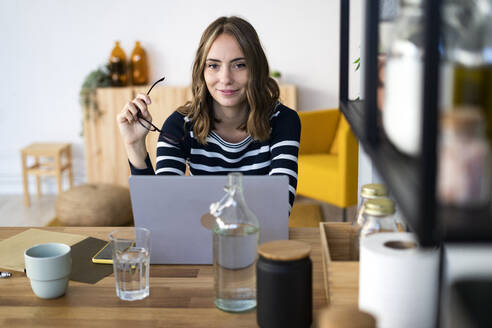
point(276, 75)
point(87, 97)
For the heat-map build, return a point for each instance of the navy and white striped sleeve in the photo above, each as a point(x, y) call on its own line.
point(171, 154)
point(171, 149)
point(284, 146)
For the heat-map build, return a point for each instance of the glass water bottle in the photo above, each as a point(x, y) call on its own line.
point(235, 240)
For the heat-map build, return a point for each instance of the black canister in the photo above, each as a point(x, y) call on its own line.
point(284, 292)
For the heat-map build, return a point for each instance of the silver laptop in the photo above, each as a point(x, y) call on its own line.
point(172, 206)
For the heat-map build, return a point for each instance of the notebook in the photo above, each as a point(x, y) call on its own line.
point(171, 207)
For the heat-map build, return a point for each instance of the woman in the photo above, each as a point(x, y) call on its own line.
point(234, 121)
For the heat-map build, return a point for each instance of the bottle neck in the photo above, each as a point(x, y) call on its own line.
point(236, 180)
point(236, 185)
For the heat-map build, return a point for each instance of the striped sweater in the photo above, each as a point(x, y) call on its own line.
point(276, 156)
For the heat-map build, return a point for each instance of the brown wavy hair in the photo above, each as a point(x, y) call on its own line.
point(262, 91)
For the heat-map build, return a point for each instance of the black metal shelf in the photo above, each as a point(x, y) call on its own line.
point(465, 225)
point(412, 181)
point(400, 172)
point(397, 170)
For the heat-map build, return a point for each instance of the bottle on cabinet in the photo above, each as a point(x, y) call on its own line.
point(117, 67)
point(138, 65)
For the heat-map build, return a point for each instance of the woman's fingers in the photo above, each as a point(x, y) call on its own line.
point(142, 100)
point(140, 104)
point(129, 113)
point(132, 109)
point(129, 117)
point(144, 97)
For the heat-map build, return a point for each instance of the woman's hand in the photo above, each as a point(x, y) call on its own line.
point(132, 132)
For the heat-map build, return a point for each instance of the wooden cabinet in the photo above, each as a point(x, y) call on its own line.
point(105, 156)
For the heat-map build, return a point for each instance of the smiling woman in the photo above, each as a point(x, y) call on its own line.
point(234, 122)
point(226, 77)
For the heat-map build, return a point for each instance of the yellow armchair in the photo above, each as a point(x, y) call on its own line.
point(328, 159)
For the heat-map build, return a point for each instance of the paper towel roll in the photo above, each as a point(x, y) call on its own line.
point(398, 281)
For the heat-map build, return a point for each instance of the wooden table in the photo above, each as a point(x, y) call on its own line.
point(180, 295)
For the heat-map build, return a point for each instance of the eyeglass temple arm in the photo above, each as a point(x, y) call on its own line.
point(153, 85)
point(139, 114)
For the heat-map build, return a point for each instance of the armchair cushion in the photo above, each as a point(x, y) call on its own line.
point(328, 158)
point(320, 177)
point(318, 130)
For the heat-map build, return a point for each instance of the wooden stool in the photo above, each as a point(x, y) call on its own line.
point(52, 151)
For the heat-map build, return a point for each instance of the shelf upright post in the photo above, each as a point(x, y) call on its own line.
point(344, 51)
point(428, 158)
point(371, 71)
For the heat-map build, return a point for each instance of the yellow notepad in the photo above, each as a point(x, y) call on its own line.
point(12, 249)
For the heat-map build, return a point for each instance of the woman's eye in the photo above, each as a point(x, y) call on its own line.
point(213, 66)
point(239, 65)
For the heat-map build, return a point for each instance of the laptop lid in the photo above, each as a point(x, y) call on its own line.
point(172, 206)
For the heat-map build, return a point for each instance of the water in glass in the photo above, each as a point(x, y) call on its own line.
point(131, 270)
point(235, 267)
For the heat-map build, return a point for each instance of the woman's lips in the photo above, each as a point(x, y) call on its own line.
point(228, 92)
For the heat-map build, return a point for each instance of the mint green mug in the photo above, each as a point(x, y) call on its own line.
point(48, 267)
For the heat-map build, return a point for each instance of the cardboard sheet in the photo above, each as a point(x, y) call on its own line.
point(12, 249)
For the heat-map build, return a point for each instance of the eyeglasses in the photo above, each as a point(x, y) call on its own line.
point(150, 126)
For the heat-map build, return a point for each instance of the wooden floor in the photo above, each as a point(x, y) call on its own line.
point(13, 213)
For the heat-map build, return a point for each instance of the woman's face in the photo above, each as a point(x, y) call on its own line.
point(226, 74)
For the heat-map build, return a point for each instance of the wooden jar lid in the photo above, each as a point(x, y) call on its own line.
point(346, 317)
point(284, 250)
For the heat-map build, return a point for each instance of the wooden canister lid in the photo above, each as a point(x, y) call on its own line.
point(345, 317)
point(284, 250)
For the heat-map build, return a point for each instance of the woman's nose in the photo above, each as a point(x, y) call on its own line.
point(225, 75)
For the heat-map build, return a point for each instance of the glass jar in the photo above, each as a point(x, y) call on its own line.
point(378, 216)
point(468, 28)
point(464, 175)
point(235, 241)
point(368, 191)
point(117, 66)
point(138, 65)
point(402, 113)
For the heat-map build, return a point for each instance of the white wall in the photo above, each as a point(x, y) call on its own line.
point(49, 46)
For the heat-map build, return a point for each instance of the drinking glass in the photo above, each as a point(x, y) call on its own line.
point(131, 262)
